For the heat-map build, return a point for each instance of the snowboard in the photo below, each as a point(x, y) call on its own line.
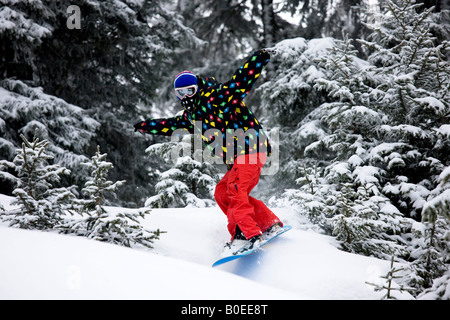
point(233, 253)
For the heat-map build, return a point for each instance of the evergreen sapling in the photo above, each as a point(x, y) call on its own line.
point(42, 205)
point(121, 228)
point(188, 183)
point(388, 285)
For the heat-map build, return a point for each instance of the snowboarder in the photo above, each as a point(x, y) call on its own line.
point(211, 105)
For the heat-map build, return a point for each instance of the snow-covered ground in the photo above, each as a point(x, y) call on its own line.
point(301, 264)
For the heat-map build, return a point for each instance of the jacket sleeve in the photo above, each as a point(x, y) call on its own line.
point(165, 126)
point(245, 77)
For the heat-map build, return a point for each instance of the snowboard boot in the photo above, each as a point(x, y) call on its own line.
point(250, 243)
point(273, 229)
point(238, 235)
point(240, 243)
point(256, 240)
point(238, 240)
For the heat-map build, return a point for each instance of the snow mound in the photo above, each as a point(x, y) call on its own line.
point(300, 264)
point(41, 265)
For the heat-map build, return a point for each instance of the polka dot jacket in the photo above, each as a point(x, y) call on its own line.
point(227, 127)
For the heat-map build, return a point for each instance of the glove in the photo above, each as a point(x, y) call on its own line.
point(139, 127)
point(271, 51)
point(188, 104)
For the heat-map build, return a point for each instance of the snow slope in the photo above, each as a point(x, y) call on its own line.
point(300, 264)
point(37, 265)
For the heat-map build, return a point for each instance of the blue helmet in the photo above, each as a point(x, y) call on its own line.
point(185, 79)
point(185, 84)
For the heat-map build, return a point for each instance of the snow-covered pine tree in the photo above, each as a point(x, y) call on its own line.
point(365, 223)
point(397, 105)
point(103, 68)
point(287, 98)
point(289, 95)
point(41, 203)
point(388, 285)
point(97, 187)
point(23, 27)
point(438, 207)
point(122, 228)
point(67, 128)
point(389, 124)
point(412, 90)
point(439, 290)
point(187, 183)
point(342, 194)
point(431, 244)
point(311, 195)
point(384, 129)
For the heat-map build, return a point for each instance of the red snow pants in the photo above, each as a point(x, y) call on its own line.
point(232, 194)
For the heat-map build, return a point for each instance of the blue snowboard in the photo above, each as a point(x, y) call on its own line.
point(266, 239)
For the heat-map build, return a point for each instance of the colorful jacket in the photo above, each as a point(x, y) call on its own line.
point(227, 127)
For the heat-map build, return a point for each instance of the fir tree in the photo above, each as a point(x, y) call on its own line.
point(430, 246)
point(393, 110)
point(381, 140)
point(288, 98)
point(97, 187)
point(440, 290)
point(368, 224)
point(105, 225)
point(111, 67)
point(188, 183)
point(391, 113)
point(389, 283)
point(67, 128)
point(387, 128)
point(23, 27)
point(41, 204)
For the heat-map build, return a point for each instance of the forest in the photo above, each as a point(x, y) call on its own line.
point(356, 95)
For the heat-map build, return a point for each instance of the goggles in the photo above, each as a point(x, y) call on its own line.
point(188, 91)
